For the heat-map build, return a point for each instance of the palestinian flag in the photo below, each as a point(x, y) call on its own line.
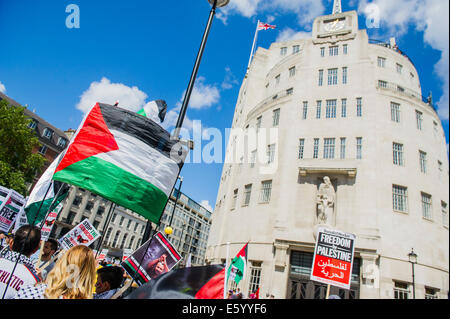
point(125, 158)
point(238, 266)
point(204, 282)
point(149, 108)
point(44, 193)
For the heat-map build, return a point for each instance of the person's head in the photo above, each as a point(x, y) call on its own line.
point(73, 276)
point(109, 277)
point(50, 247)
point(26, 240)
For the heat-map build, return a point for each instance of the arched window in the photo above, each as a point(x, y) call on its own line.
point(130, 246)
point(108, 233)
point(116, 238)
point(123, 241)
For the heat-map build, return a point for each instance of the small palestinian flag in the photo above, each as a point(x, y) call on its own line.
point(238, 266)
point(125, 158)
point(149, 108)
point(204, 282)
point(43, 195)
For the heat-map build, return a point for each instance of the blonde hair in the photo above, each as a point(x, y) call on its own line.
point(73, 276)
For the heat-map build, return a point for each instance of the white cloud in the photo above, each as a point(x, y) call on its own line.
point(288, 34)
point(229, 80)
point(205, 203)
point(429, 16)
point(2, 88)
point(203, 95)
point(104, 91)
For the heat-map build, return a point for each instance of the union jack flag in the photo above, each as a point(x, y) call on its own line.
point(265, 26)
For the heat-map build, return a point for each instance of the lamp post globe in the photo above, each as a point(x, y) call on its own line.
point(219, 3)
point(412, 257)
point(168, 230)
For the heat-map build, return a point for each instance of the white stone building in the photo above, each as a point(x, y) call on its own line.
point(343, 106)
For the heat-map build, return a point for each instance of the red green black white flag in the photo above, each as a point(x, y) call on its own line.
point(237, 269)
point(125, 158)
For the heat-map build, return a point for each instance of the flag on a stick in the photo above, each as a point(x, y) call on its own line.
point(125, 158)
point(236, 270)
point(265, 26)
point(148, 108)
point(204, 282)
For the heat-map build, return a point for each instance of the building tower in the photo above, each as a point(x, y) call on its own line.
point(342, 106)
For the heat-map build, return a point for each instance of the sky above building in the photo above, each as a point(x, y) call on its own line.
point(60, 57)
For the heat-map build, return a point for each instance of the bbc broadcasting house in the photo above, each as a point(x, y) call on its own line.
point(351, 109)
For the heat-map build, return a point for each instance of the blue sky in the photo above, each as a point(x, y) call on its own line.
point(136, 51)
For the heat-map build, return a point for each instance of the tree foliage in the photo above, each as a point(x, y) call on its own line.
point(18, 164)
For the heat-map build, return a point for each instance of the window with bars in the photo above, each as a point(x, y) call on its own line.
point(270, 153)
point(318, 109)
point(276, 117)
point(382, 84)
point(343, 142)
point(334, 50)
point(316, 148)
point(344, 75)
point(305, 110)
point(423, 162)
point(320, 77)
point(301, 148)
point(331, 109)
point(328, 148)
point(247, 194)
point(395, 112)
point(255, 276)
point(266, 191)
point(397, 150)
point(359, 107)
point(400, 198)
point(292, 71)
point(426, 205)
point(359, 148)
point(344, 108)
point(333, 76)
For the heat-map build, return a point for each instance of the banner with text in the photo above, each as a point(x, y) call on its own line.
point(82, 234)
point(49, 222)
point(333, 258)
point(9, 207)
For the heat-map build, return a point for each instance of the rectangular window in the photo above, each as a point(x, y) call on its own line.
point(277, 79)
point(381, 62)
point(395, 112)
point(318, 109)
point(359, 107)
point(382, 84)
point(320, 77)
point(401, 290)
point(292, 71)
point(440, 170)
point(62, 142)
point(331, 109)
point(423, 162)
point(344, 108)
point(343, 141)
point(48, 133)
point(270, 153)
point(266, 191)
point(399, 68)
point(316, 148)
point(289, 91)
point(295, 49)
point(334, 50)
point(32, 124)
point(283, 51)
point(235, 195)
point(344, 75)
point(301, 148)
point(345, 49)
point(43, 149)
point(305, 110)
point(400, 198)
point(255, 277)
point(253, 159)
point(276, 117)
point(444, 210)
point(431, 293)
point(397, 150)
point(419, 120)
point(322, 52)
point(359, 148)
point(426, 205)
point(258, 123)
point(332, 76)
point(247, 194)
point(328, 148)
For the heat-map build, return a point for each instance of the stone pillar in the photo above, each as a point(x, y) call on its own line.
point(370, 276)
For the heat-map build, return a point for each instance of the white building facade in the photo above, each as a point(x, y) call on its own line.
point(342, 106)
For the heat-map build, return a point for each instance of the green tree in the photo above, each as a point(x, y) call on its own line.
point(18, 164)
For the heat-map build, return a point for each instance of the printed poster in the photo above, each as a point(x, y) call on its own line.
point(49, 222)
point(9, 208)
point(82, 234)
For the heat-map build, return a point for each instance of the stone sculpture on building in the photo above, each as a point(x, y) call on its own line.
point(325, 199)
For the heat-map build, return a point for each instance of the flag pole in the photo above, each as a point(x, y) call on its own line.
point(253, 46)
point(105, 228)
point(226, 272)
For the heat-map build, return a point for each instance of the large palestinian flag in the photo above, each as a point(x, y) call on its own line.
point(125, 158)
point(204, 282)
point(236, 270)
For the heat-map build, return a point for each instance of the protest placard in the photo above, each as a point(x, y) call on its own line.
point(333, 258)
point(126, 253)
point(82, 234)
point(9, 208)
point(102, 255)
point(49, 222)
point(153, 258)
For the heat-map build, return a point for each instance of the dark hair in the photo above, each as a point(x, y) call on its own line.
point(111, 274)
point(53, 243)
point(26, 240)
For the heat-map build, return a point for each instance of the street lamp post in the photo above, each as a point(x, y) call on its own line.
point(215, 4)
point(413, 260)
